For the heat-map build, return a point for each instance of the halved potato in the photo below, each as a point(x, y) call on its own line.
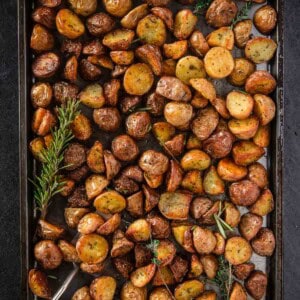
point(260, 49)
point(120, 244)
point(220, 106)
point(139, 230)
point(196, 267)
point(118, 39)
point(230, 171)
point(92, 96)
point(237, 250)
point(242, 32)
point(81, 127)
point(199, 101)
point(264, 108)
point(243, 271)
point(154, 181)
point(131, 19)
point(89, 223)
point(184, 24)
point(222, 37)
point(192, 181)
point(69, 251)
point(198, 43)
point(237, 292)
point(258, 174)
point(212, 183)
point(165, 252)
point(193, 143)
point(112, 165)
point(168, 67)
point(232, 215)
point(91, 268)
point(175, 206)
point(210, 265)
point(165, 14)
point(95, 158)
point(262, 137)
point(117, 8)
point(244, 129)
point(243, 68)
point(151, 198)
point(110, 225)
point(183, 235)
point(239, 104)
point(94, 185)
point(220, 246)
point(48, 231)
point(260, 82)
point(73, 215)
point(264, 204)
point(204, 87)
point(38, 283)
point(176, 49)
point(264, 243)
point(204, 240)
point(174, 177)
point(92, 248)
point(195, 160)
point(129, 291)
point(179, 114)
point(103, 288)
point(218, 62)
point(189, 289)
point(82, 294)
point(122, 57)
point(160, 293)
point(110, 202)
point(143, 275)
point(176, 145)
point(246, 152)
point(163, 131)
point(102, 61)
point(250, 225)
point(163, 275)
point(135, 204)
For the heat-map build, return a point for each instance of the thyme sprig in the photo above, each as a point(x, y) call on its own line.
point(201, 6)
point(49, 182)
point(221, 224)
point(242, 14)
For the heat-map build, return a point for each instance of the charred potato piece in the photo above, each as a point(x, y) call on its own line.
point(73, 215)
point(242, 32)
point(212, 183)
point(163, 275)
point(107, 118)
point(41, 39)
point(92, 96)
point(184, 24)
point(260, 82)
point(237, 250)
point(118, 39)
point(192, 181)
point(117, 8)
point(160, 293)
point(176, 49)
point(204, 240)
point(84, 8)
point(44, 16)
point(138, 124)
point(46, 65)
point(82, 294)
point(89, 71)
point(237, 292)
point(110, 225)
point(129, 103)
point(124, 148)
point(264, 242)
point(179, 268)
point(103, 288)
point(143, 275)
point(165, 14)
point(68, 251)
point(154, 162)
point(244, 129)
point(125, 185)
point(110, 202)
point(99, 24)
point(121, 245)
point(129, 291)
point(78, 198)
point(48, 254)
point(243, 271)
point(38, 284)
point(195, 160)
point(48, 231)
point(41, 94)
point(256, 284)
point(89, 223)
point(134, 172)
point(81, 127)
point(198, 43)
point(160, 227)
point(222, 37)
point(131, 19)
point(258, 174)
point(239, 105)
point(139, 230)
point(94, 47)
point(112, 165)
point(244, 193)
point(265, 19)
point(152, 30)
point(264, 108)
point(249, 226)
point(243, 68)
point(264, 204)
point(189, 289)
point(246, 152)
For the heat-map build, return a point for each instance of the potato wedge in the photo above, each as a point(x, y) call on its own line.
point(232, 215)
point(160, 227)
point(242, 32)
point(166, 251)
point(264, 108)
point(176, 145)
point(103, 288)
point(192, 181)
point(118, 39)
point(243, 68)
point(258, 174)
point(262, 137)
point(81, 127)
point(139, 230)
point(135, 204)
point(220, 106)
point(244, 129)
point(168, 67)
point(264, 204)
point(112, 165)
point(249, 225)
point(94, 185)
point(239, 105)
point(222, 37)
point(110, 225)
point(204, 87)
point(260, 82)
point(237, 250)
point(38, 283)
point(237, 292)
point(195, 160)
point(131, 19)
point(204, 240)
point(245, 153)
point(68, 251)
point(198, 43)
point(110, 202)
point(212, 183)
point(176, 49)
point(189, 289)
point(89, 223)
point(174, 177)
point(129, 291)
point(142, 276)
point(184, 24)
point(151, 198)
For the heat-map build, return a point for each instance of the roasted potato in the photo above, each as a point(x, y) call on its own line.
point(84, 8)
point(207, 295)
point(184, 24)
point(131, 19)
point(249, 225)
point(50, 3)
point(122, 57)
point(125, 185)
point(182, 233)
point(103, 288)
point(256, 284)
point(91, 268)
point(260, 82)
point(176, 49)
point(243, 271)
point(41, 94)
point(89, 71)
point(220, 245)
point(68, 251)
point(129, 291)
point(92, 96)
point(262, 137)
point(168, 67)
point(73, 215)
point(204, 240)
point(175, 146)
point(138, 124)
point(139, 230)
point(237, 292)
point(204, 87)
point(210, 265)
point(107, 118)
point(142, 255)
point(195, 160)
point(48, 231)
point(242, 32)
point(264, 242)
point(45, 65)
point(143, 275)
point(41, 39)
point(160, 293)
point(193, 142)
point(237, 250)
point(239, 105)
point(200, 206)
point(246, 152)
point(264, 204)
point(243, 68)
point(244, 129)
point(95, 161)
point(63, 91)
point(163, 131)
point(212, 183)
point(124, 148)
point(264, 108)
point(157, 2)
point(165, 14)
point(112, 165)
point(118, 8)
point(99, 24)
point(121, 245)
point(42, 121)
point(160, 227)
point(38, 283)
point(44, 16)
point(189, 289)
point(154, 181)
point(135, 204)
point(232, 215)
point(81, 127)
point(179, 268)
point(156, 103)
point(118, 39)
point(82, 294)
point(163, 275)
point(89, 223)
point(198, 43)
point(258, 174)
point(71, 69)
point(196, 267)
point(110, 202)
point(199, 101)
point(178, 114)
point(123, 265)
point(265, 19)
point(222, 37)
point(165, 252)
point(154, 162)
point(192, 181)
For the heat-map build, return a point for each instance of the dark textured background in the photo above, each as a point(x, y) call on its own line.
point(9, 202)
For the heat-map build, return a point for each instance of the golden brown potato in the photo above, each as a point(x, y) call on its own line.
point(50, 3)
point(204, 87)
point(45, 65)
point(207, 295)
point(138, 79)
point(48, 254)
point(220, 246)
point(103, 288)
point(68, 251)
point(204, 240)
point(93, 47)
point(135, 204)
point(264, 204)
point(160, 293)
point(89, 223)
point(212, 183)
point(131, 19)
point(163, 131)
point(237, 250)
point(176, 145)
point(165, 252)
point(193, 143)
point(163, 275)
point(258, 174)
point(196, 267)
point(221, 13)
point(242, 32)
point(41, 94)
point(198, 43)
point(118, 39)
point(44, 16)
point(264, 242)
point(143, 275)
point(89, 71)
point(165, 14)
point(152, 30)
point(160, 227)
point(84, 8)
point(174, 177)
point(243, 271)
point(120, 244)
point(82, 294)
point(122, 57)
point(190, 67)
point(256, 284)
point(183, 235)
point(243, 68)
point(139, 230)
point(68, 24)
point(110, 225)
point(154, 181)
point(129, 291)
point(244, 129)
point(210, 265)
point(262, 137)
point(199, 101)
point(189, 289)
point(71, 69)
point(73, 215)
point(237, 292)
point(264, 108)
point(117, 8)
point(200, 206)
point(265, 19)
point(38, 284)
point(112, 165)
point(81, 127)
point(218, 62)
point(249, 226)
point(178, 114)
point(138, 124)
point(176, 49)
point(95, 158)
point(175, 206)
point(260, 82)
point(41, 39)
point(184, 24)
point(151, 197)
point(48, 231)
point(92, 254)
point(232, 215)
point(260, 49)
point(195, 160)
point(245, 153)
point(239, 104)
point(110, 202)
point(222, 37)
point(168, 67)
point(154, 162)
point(192, 181)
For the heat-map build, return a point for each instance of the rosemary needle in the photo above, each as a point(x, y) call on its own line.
point(242, 13)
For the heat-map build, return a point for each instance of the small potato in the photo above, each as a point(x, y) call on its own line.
point(48, 254)
point(124, 148)
point(44, 16)
point(118, 39)
point(160, 293)
point(189, 289)
point(243, 68)
point(118, 71)
point(133, 172)
point(237, 292)
point(112, 165)
point(45, 65)
point(82, 294)
point(78, 198)
point(154, 162)
point(264, 204)
point(92, 248)
point(110, 225)
point(160, 227)
point(163, 275)
point(264, 242)
point(176, 49)
point(157, 2)
point(125, 185)
point(142, 276)
point(73, 215)
point(91, 268)
point(193, 143)
point(89, 223)
point(48, 231)
point(192, 181)
point(103, 288)
point(210, 265)
point(239, 105)
point(165, 14)
point(165, 252)
point(204, 87)
point(152, 30)
point(196, 267)
point(256, 284)
point(110, 202)
point(264, 108)
point(63, 91)
point(199, 101)
point(232, 215)
point(50, 3)
point(138, 79)
point(129, 104)
point(93, 47)
point(156, 104)
point(262, 137)
point(121, 245)
point(135, 204)
point(176, 145)
point(150, 55)
point(68, 251)
point(218, 62)
point(175, 206)
point(168, 67)
point(41, 94)
point(81, 127)
point(207, 295)
point(122, 57)
point(139, 230)
point(107, 118)
point(204, 240)
point(200, 206)
point(84, 8)
point(38, 284)
point(219, 144)
point(245, 153)
point(265, 19)
point(174, 177)
point(179, 268)
point(222, 37)
point(237, 250)
point(41, 39)
point(212, 183)
point(89, 71)
point(92, 96)
point(195, 160)
point(260, 49)
point(242, 32)
point(244, 129)
point(221, 13)
point(182, 233)
point(258, 174)
point(42, 121)
point(198, 43)
point(95, 161)
point(37, 146)
point(249, 226)
point(71, 69)
point(184, 24)
point(243, 271)
point(220, 246)
point(178, 114)
point(99, 24)
point(260, 82)
point(68, 24)
point(142, 255)
point(138, 124)
point(117, 8)
point(163, 131)
point(129, 292)
point(244, 193)
point(131, 19)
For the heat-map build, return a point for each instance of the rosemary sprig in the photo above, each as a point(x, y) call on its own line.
point(221, 224)
point(201, 6)
point(242, 14)
point(49, 182)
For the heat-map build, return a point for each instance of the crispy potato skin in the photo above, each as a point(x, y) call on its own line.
point(125, 148)
point(46, 65)
point(249, 226)
point(44, 16)
point(189, 289)
point(38, 284)
point(178, 114)
point(82, 294)
point(184, 24)
point(41, 94)
point(244, 193)
point(154, 162)
point(265, 19)
point(138, 124)
point(100, 24)
point(256, 284)
point(258, 174)
point(204, 240)
point(198, 43)
point(264, 242)
point(103, 287)
point(131, 19)
point(107, 118)
point(242, 31)
point(117, 8)
point(243, 271)
point(237, 250)
point(129, 291)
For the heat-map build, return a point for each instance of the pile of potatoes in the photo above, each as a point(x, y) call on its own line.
point(142, 71)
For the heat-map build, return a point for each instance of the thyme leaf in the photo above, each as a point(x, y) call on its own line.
point(221, 224)
point(201, 6)
point(242, 14)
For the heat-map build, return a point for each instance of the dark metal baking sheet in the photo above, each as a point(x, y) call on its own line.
point(273, 161)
